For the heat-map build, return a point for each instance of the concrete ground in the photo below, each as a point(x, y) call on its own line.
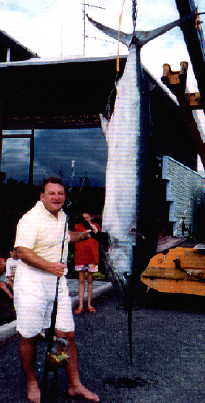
point(168, 353)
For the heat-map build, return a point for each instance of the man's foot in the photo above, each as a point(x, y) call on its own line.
point(33, 392)
point(78, 310)
point(83, 392)
point(91, 308)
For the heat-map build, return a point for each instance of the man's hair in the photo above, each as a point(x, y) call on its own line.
point(52, 179)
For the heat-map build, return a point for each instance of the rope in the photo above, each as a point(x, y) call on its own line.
point(118, 42)
point(134, 19)
point(108, 111)
point(134, 14)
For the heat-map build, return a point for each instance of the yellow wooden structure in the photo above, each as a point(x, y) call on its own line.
point(181, 270)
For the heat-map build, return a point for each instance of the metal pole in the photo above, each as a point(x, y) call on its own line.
point(84, 33)
point(31, 158)
point(84, 28)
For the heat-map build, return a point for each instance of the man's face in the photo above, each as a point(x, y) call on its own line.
point(53, 197)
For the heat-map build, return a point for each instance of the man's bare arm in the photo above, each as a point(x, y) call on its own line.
point(30, 257)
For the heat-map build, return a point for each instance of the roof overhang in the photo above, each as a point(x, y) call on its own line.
point(53, 92)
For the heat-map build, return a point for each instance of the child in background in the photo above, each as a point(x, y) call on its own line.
point(2, 268)
point(11, 266)
point(3, 283)
point(86, 257)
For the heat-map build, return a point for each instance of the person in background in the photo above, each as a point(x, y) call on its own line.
point(2, 268)
point(11, 266)
point(86, 258)
point(41, 242)
point(3, 284)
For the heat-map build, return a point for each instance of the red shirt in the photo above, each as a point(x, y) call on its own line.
point(86, 252)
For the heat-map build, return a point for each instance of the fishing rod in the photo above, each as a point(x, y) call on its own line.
point(54, 355)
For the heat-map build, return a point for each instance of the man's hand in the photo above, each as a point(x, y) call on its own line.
point(94, 228)
point(31, 258)
point(56, 268)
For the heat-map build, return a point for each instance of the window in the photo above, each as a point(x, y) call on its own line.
point(55, 151)
point(72, 154)
point(15, 158)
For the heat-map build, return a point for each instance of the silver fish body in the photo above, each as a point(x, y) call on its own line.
point(122, 135)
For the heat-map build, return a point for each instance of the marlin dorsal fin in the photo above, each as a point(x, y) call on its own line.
point(104, 124)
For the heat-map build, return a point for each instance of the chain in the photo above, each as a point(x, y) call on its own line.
point(134, 14)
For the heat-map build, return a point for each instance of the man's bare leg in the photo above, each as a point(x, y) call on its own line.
point(75, 388)
point(27, 352)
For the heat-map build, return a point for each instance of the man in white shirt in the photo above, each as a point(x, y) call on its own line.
point(39, 238)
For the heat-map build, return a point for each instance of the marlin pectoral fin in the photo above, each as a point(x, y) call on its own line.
point(118, 35)
point(104, 124)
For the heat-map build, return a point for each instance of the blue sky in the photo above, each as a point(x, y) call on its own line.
point(54, 28)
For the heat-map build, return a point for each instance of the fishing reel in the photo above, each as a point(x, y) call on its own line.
point(58, 356)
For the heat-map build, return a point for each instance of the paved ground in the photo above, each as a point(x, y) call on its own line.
point(169, 352)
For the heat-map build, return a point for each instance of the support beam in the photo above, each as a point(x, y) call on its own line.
point(194, 39)
point(176, 82)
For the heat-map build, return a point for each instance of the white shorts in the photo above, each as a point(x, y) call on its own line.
point(34, 294)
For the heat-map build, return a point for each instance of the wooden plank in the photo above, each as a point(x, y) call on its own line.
point(174, 274)
point(194, 100)
point(176, 286)
point(190, 259)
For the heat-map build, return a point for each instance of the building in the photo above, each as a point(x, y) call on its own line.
point(11, 50)
point(49, 117)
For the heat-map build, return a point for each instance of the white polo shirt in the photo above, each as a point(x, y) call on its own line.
point(42, 232)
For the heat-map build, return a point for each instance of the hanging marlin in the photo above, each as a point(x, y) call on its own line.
point(130, 200)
